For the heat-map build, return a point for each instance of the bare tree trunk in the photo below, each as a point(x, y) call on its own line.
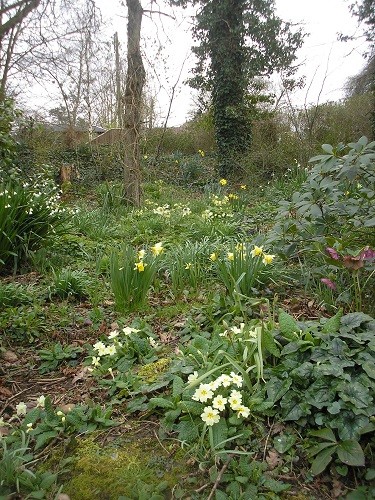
point(135, 80)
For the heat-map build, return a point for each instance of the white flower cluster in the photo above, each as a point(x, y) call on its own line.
point(206, 392)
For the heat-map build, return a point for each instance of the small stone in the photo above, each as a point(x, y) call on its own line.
point(63, 496)
point(9, 356)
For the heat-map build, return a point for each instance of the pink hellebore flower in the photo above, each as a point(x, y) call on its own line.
point(332, 253)
point(329, 283)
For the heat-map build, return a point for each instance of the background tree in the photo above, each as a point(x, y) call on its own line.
point(239, 40)
point(364, 82)
point(13, 21)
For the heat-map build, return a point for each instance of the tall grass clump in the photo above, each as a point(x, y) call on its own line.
point(187, 265)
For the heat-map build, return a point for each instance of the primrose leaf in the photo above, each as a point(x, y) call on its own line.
point(288, 325)
point(160, 403)
point(219, 433)
point(351, 453)
point(276, 388)
point(187, 431)
point(322, 460)
point(332, 325)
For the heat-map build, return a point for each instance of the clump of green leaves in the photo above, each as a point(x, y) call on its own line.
point(56, 355)
point(336, 203)
point(325, 379)
point(70, 283)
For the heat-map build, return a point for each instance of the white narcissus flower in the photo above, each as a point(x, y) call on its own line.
point(219, 402)
point(21, 409)
point(203, 393)
point(210, 416)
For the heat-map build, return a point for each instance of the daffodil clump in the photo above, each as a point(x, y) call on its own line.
point(223, 397)
point(243, 267)
point(132, 274)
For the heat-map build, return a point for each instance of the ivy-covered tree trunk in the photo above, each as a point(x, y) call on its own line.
point(135, 80)
point(226, 47)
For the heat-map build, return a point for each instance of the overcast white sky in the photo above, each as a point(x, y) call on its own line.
point(321, 54)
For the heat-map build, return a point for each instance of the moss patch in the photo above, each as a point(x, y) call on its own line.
point(137, 469)
point(151, 372)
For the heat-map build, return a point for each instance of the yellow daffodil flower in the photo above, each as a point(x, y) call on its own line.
point(157, 249)
point(256, 251)
point(139, 266)
point(267, 259)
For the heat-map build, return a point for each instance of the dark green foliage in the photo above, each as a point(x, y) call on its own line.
point(325, 378)
point(335, 203)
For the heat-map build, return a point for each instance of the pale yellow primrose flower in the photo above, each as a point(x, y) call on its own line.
point(128, 330)
point(236, 379)
point(234, 402)
point(230, 256)
point(256, 251)
point(219, 402)
point(152, 342)
point(213, 256)
point(101, 348)
point(243, 411)
point(21, 409)
point(223, 182)
point(113, 334)
point(243, 186)
point(95, 361)
point(188, 265)
point(203, 393)
point(40, 401)
point(157, 249)
point(192, 377)
point(267, 259)
point(225, 380)
point(210, 416)
point(111, 350)
point(215, 384)
point(139, 266)
point(29, 427)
